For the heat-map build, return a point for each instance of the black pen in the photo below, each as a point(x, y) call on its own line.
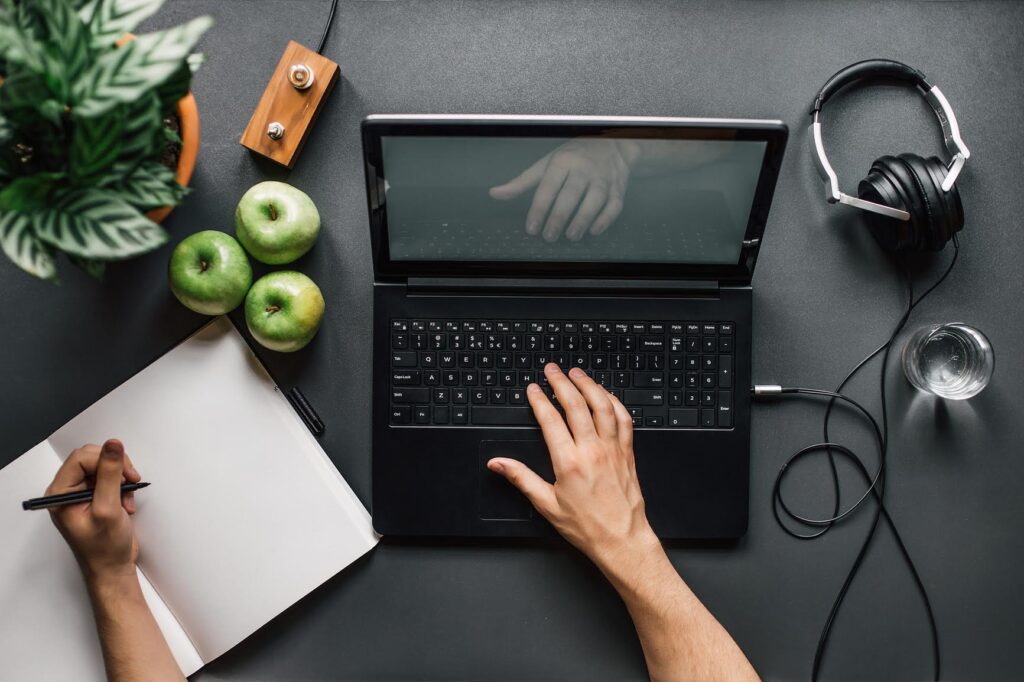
point(72, 498)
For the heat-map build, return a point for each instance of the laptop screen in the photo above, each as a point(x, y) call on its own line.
point(625, 195)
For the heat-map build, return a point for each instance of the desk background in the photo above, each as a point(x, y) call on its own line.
point(823, 299)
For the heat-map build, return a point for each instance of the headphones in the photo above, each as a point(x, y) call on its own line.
point(912, 202)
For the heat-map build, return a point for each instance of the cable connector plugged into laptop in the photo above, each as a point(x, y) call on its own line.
point(765, 390)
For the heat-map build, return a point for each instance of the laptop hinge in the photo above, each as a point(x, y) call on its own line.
point(553, 285)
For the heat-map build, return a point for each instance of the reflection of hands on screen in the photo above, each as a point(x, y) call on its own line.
point(583, 180)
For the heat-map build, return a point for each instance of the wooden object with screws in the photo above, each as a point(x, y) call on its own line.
point(290, 105)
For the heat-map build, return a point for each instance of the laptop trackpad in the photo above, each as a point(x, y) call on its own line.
point(498, 499)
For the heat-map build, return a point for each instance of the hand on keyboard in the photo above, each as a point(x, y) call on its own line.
point(595, 502)
point(583, 179)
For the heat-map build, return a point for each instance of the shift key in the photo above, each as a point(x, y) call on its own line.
point(651, 397)
point(410, 395)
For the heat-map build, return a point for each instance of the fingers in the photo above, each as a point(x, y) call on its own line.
point(106, 498)
point(577, 414)
point(624, 423)
point(522, 182)
point(588, 210)
point(539, 492)
point(607, 216)
point(568, 199)
point(599, 402)
point(556, 435)
point(79, 465)
point(544, 197)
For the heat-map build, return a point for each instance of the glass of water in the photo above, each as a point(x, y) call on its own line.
point(953, 361)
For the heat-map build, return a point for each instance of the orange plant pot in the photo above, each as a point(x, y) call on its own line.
point(188, 115)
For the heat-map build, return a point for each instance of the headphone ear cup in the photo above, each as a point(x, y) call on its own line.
point(949, 218)
point(888, 182)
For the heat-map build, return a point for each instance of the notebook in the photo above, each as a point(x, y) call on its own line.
point(245, 514)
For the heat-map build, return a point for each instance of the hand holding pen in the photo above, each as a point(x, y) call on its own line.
point(100, 531)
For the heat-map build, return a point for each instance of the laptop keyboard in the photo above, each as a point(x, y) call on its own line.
point(457, 372)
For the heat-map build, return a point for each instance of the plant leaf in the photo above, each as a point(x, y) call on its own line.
point(68, 46)
point(95, 144)
point(174, 88)
point(125, 74)
point(94, 268)
point(29, 192)
point(110, 19)
point(23, 248)
point(19, 48)
point(151, 185)
point(140, 138)
point(95, 223)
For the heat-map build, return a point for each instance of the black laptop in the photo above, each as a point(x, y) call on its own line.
point(622, 246)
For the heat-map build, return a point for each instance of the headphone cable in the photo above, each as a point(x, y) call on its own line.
point(875, 483)
point(327, 27)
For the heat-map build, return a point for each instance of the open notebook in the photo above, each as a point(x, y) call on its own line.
point(245, 514)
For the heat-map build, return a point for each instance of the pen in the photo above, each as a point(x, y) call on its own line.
point(72, 498)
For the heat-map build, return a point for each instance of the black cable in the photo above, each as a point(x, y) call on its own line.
point(875, 483)
point(327, 27)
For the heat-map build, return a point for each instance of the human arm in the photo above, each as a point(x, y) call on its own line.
point(596, 504)
point(102, 538)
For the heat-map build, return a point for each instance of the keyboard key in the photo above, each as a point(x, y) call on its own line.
point(421, 414)
point(478, 396)
point(460, 396)
point(399, 341)
point(656, 420)
point(725, 372)
point(620, 379)
point(405, 378)
point(497, 396)
point(401, 414)
point(725, 328)
point(399, 325)
point(517, 396)
point(649, 397)
point(692, 344)
point(692, 328)
point(725, 344)
point(692, 380)
point(707, 398)
point(682, 417)
point(470, 378)
point(637, 328)
point(707, 380)
point(651, 343)
point(441, 396)
point(675, 380)
point(418, 326)
point(708, 363)
point(460, 415)
point(709, 330)
point(503, 416)
point(656, 328)
point(406, 359)
point(655, 361)
point(488, 378)
point(441, 415)
point(407, 396)
point(431, 377)
point(692, 398)
point(649, 379)
point(446, 359)
point(708, 344)
point(725, 409)
point(675, 362)
point(675, 398)
point(707, 417)
point(428, 359)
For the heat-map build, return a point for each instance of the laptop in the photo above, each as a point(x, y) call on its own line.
point(621, 245)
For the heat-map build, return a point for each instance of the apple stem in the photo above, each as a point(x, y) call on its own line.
point(273, 212)
point(273, 308)
point(203, 266)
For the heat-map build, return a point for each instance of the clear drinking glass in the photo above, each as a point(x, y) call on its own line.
point(953, 361)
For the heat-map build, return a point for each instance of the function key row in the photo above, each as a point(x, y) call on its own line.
point(565, 327)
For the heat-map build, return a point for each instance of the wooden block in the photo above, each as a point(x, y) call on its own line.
point(294, 109)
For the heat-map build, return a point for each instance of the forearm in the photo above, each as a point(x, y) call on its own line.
point(133, 646)
point(680, 638)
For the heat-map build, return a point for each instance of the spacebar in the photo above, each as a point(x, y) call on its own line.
point(503, 416)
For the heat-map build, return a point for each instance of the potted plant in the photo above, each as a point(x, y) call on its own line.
point(98, 134)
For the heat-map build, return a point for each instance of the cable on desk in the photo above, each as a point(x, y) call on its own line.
point(875, 483)
point(327, 27)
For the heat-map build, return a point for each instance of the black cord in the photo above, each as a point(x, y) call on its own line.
point(875, 483)
point(327, 27)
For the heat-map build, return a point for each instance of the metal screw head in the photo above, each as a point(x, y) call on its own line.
point(275, 131)
point(300, 76)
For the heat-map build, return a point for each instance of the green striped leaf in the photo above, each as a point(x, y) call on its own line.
point(140, 138)
point(68, 47)
point(123, 75)
point(97, 224)
point(110, 19)
point(151, 185)
point(95, 144)
point(23, 247)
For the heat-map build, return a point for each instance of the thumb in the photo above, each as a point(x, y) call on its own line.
point(106, 498)
point(539, 492)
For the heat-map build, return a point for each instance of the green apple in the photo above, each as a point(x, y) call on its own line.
point(276, 222)
point(209, 272)
point(283, 310)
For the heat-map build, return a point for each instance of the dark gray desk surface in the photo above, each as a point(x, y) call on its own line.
point(823, 298)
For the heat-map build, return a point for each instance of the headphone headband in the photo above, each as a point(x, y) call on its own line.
point(885, 68)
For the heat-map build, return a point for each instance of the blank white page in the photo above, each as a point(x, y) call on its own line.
point(245, 514)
